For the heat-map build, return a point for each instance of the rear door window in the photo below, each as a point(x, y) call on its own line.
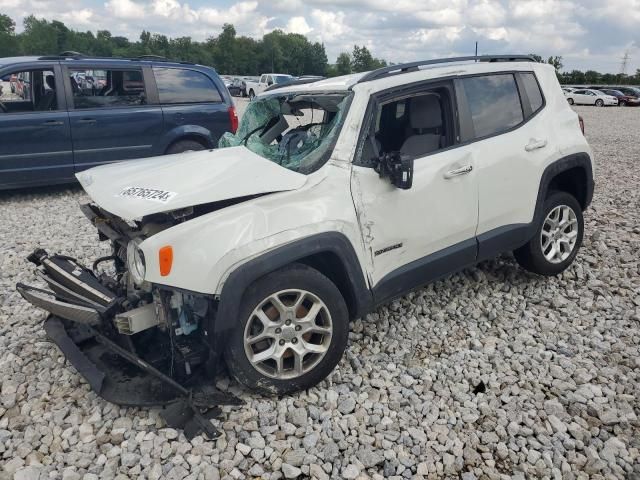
point(180, 85)
point(494, 103)
point(97, 88)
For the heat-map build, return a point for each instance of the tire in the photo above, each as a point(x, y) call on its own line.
point(599, 103)
point(288, 284)
point(251, 94)
point(570, 100)
point(182, 146)
point(532, 257)
point(622, 103)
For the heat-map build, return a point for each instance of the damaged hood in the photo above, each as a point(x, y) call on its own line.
point(136, 188)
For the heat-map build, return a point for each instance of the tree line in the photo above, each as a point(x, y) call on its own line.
point(590, 77)
point(228, 52)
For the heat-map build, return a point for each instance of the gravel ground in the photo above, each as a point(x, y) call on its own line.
point(491, 373)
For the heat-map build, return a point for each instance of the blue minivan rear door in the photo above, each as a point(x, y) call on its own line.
point(111, 116)
point(189, 99)
point(35, 139)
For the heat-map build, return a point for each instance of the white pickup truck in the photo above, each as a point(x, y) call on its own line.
point(266, 80)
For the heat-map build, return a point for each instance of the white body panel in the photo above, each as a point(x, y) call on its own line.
point(208, 248)
point(193, 178)
point(510, 165)
point(436, 213)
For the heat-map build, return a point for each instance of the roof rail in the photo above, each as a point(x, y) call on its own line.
point(150, 57)
point(71, 53)
point(414, 66)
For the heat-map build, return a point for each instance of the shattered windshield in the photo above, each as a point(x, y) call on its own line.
point(296, 131)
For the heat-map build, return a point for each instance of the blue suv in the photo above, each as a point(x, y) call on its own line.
point(62, 114)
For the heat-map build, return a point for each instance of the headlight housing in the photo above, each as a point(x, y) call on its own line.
point(135, 261)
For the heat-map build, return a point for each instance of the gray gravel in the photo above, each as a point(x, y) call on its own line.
point(491, 373)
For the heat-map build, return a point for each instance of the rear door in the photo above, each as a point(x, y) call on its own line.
point(111, 115)
point(191, 101)
point(512, 142)
point(35, 138)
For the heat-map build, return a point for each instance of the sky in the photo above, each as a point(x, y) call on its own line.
point(588, 34)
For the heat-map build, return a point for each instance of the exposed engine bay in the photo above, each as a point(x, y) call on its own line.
point(135, 343)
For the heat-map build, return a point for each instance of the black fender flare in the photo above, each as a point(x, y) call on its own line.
point(581, 160)
point(240, 278)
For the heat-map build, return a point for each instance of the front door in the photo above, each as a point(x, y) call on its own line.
point(414, 236)
point(35, 139)
point(111, 116)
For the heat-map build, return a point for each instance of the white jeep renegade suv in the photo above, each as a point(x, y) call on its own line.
point(333, 197)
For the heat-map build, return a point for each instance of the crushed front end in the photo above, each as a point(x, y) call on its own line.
point(137, 344)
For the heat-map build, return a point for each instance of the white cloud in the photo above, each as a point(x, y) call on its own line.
point(400, 30)
point(125, 9)
point(298, 25)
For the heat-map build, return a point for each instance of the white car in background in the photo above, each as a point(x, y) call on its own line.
point(590, 97)
point(265, 81)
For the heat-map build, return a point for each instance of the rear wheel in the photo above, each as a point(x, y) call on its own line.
point(599, 103)
point(570, 100)
point(557, 239)
point(182, 146)
point(291, 333)
point(251, 94)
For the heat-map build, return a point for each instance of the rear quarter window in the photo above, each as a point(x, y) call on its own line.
point(494, 103)
point(180, 85)
point(532, 89)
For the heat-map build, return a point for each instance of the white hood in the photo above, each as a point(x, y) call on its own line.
point(136, 188)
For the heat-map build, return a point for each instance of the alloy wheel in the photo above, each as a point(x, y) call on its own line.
point(559, 234)
point(288, 334)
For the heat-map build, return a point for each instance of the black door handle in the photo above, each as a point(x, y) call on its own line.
point(53, 123)
point(88, 121)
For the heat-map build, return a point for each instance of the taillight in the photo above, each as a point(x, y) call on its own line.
point(581, 122)
point(233, 119)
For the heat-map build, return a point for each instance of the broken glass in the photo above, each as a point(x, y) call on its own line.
point(295, 131)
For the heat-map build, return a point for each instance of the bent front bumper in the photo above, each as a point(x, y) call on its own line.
point(81, 324)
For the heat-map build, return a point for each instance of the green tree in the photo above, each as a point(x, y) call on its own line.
point(591, 76)
point(343, 64)
point(39, 37)
point(537, 58)
point(556, 62)
point(8, 40)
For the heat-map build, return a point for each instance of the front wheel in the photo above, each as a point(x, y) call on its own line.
point(557, 239)
point(599, 103)
point(291, 333)
point(622, 103)
point(251, 95)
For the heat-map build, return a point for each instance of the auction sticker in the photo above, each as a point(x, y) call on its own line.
point(142, 193)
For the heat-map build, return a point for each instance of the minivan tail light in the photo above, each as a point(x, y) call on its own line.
point(581, 122)
point(233, 119)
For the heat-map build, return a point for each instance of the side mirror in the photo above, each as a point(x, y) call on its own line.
point(397, 168)
point(270, 82)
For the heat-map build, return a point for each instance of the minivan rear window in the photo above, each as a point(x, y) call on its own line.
point(180, 85)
